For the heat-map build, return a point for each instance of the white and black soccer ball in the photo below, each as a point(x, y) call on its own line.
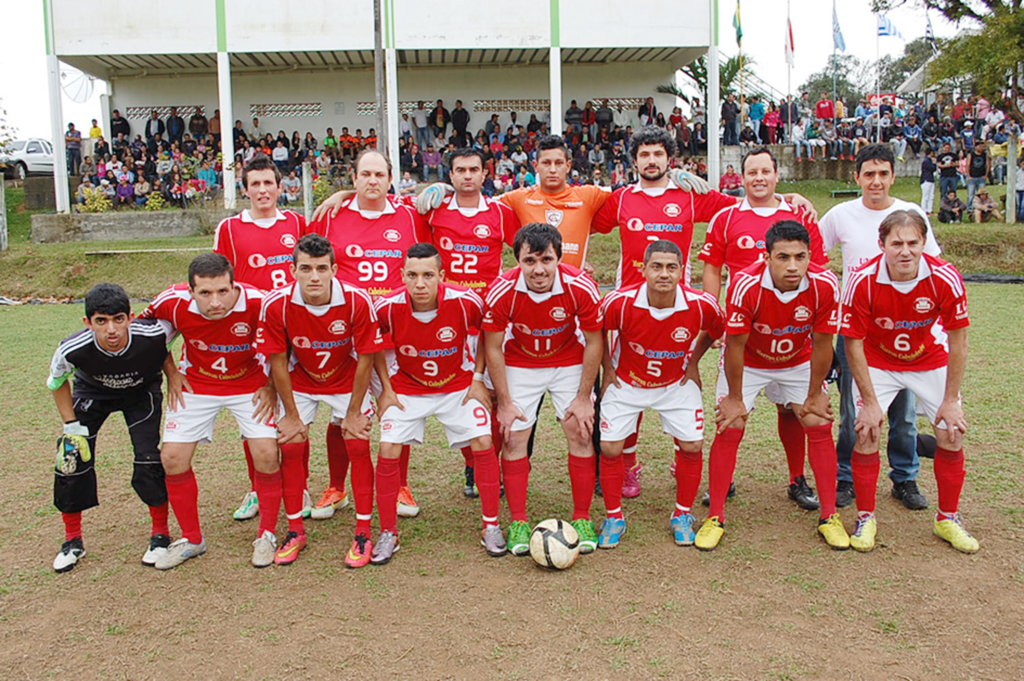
point(554, 544)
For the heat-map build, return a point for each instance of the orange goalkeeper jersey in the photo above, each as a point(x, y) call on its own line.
point(571, 211)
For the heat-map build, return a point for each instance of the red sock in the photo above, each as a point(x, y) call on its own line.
point(865, 480)
point(949, 475)
point(488, 484)
point(516, 475)
point(72, 525)
point(403, 466)
point(337, 456)
point(305, 458)
point(791, 432)
point(387, 493)
point(612, 473)
point(268, 493)
point(629, 447)
point(688, 469)
point(250, 467)
point(582, 476)
point(467, 456)
point(293, 483)
point(362, 482)
point(821, 451)
point(721, 466)
point(496, 433)
point(158, 516)
point(183, 494)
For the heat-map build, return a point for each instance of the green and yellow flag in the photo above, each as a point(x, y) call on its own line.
point(737, 25)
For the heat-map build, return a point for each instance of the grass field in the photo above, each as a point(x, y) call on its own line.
point(771, 603)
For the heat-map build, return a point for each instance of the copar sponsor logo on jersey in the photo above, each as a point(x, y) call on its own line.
point(747, 242)
point(448, 245)
point(259, 260)
point(412, 351)
point(657, 354)
point(890, 325)
point(523, 328)
point(638, 225)
point(306, 344)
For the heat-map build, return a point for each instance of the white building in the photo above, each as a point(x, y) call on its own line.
point(309, 65)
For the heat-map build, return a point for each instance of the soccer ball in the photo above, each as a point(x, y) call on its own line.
point(554, 544)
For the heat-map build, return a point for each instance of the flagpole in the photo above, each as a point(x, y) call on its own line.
point(878, 86)
point(833, 62)
point(789, 76)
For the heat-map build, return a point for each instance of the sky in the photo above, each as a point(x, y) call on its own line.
point(23, 89)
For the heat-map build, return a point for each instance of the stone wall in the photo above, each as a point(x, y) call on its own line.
point(124, 226)
point(790, 170)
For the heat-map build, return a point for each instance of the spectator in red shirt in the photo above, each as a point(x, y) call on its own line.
point(824, 109)
point(731, 183)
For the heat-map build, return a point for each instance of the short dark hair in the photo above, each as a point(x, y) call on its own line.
point(900, 218)
point(209, 265)
point(367, 151)
point(108, 299)
point(876, 152)
point(758, 152)
point(662, 246)
point(424, 250)
point(260, 162)
point(315, 246)
point(652, 134)
point(786, 230)
point(537, 236)
point(466, 152)
point(547, 142)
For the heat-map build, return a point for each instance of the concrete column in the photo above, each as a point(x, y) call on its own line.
point(555, 85)
point(391, 94)
point(60, 163)
point(227, 125)
point(714, 102)
point(1011, 179)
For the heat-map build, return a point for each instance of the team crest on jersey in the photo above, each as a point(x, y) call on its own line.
point(636, 347)
point(802, 313)
point(446, 334)
point(681, 334)
point(482, 231)
point(198, 345)
point(301, 342)
point(763, 329)
point(558, 314)
point(241, 329)
point(672, 210)
point(923, 305)
point(288, 240)
point(553, 217)
point(407, 350)
point(446, 244)
point(635, 224)
point(257, 260)
point(885, 323)
point(354, 251)
point(337, 327)
point(392, 235)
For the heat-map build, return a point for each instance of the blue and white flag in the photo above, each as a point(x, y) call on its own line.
point(837, 33)
point(886, 27)
point(929, 34)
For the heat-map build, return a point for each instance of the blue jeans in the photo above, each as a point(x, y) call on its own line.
point(730, 137)
point(802, 144)
point(902, 442)
point(423, 138)
point(946, 185)
point(973, 185)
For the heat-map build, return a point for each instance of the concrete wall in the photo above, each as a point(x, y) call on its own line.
point(339, 92)
point(792, 171)
point(55, 227)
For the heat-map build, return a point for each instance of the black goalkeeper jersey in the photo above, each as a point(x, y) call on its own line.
point(103, 375)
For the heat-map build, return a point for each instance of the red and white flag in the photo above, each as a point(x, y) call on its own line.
point(789, 42)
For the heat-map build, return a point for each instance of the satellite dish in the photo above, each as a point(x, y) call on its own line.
point(76, 85)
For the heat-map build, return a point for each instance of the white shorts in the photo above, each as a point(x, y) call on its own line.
point(473, 344)
point(527, 388)
point(928, 386)
point(680, 407)
point(781, 386)
point(307, 404)
point(194, 422)
point(376, 387)
point(462, 422)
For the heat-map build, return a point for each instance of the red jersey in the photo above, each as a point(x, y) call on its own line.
point(780, 324)
point(646, 215)
point(370, 246)
point(261, 252)
point(470, 239)
point(903, 323)
point(652, 346)
point(218, 356)
point(735, 235)
point(431, 351)
point(323, 341)
point(543, 329)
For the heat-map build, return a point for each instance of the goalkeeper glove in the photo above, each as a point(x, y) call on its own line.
point(72, 448)
point(689, 182)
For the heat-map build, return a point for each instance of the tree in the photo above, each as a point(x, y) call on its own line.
point(7, 132)
point(893, 71)
point(851, 76)
point(697, 72)
point(990, 57)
